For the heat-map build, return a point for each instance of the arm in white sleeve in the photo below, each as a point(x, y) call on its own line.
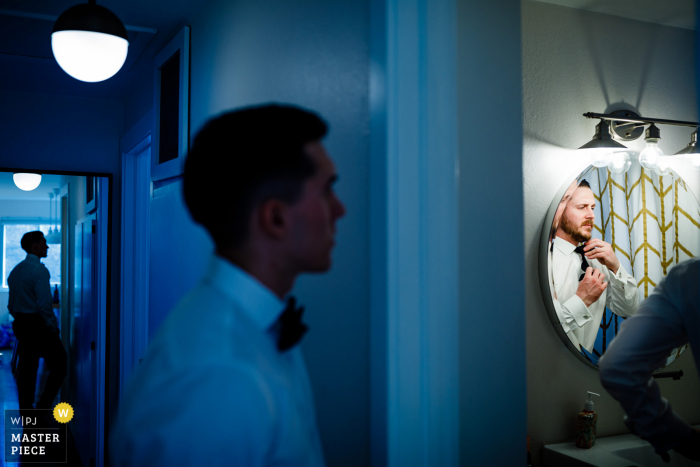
point(44, 300)
point(622, 298)
point(573, 313)
point(639, 349)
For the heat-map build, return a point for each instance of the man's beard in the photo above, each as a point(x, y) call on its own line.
point(576, 235)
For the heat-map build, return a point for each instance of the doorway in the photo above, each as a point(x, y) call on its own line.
point(75, 222)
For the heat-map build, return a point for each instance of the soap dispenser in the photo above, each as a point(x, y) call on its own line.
point(585, 431)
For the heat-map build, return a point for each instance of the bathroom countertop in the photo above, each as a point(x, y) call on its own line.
point(614, 451)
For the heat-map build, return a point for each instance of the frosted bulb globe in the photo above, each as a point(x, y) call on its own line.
point(620, 163)
point(663, 166)
point(650, 156)
point(27, 182)
point(599, 157)
point(693, 161)
point(89, 56)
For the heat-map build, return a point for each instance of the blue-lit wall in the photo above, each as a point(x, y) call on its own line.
point(493, 402)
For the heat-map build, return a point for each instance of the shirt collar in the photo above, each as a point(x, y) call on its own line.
point(562, 245)
point(256, 300)
point(32, 258)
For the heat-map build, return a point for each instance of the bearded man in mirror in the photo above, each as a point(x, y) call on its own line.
point(585, 273)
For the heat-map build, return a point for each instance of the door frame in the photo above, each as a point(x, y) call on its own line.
point(104, 285)
point(135, 149)
point(102, 289)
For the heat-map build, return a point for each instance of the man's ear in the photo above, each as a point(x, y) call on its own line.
point(271, 217)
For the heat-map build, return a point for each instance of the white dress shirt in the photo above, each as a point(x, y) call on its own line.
point(668, 318)
point(30, 290)
point(214, 390)
point(581, 323)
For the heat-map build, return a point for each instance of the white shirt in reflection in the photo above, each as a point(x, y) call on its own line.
point(581, 323)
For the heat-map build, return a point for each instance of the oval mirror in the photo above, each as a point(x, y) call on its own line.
point(607, 240)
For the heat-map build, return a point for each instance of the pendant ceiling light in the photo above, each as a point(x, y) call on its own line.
point(26, 182)
point(89, 42)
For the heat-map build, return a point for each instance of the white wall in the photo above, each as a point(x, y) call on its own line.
point(575, 62)
point(314, 54)
point(14, 208)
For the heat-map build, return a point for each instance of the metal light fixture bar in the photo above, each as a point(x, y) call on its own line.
point(615, 117)
point(626, 125)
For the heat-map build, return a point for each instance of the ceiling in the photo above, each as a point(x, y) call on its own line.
point(27, 63)
point(10, 192)
point(675, 13)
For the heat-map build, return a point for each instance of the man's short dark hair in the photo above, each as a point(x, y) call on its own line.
point(244, 157)
point(30, 238)
point(585, 183)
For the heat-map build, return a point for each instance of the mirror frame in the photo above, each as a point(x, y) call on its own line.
point(544, 266)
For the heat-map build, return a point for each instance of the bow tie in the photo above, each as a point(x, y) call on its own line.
point(289, 326)
point(584, 263)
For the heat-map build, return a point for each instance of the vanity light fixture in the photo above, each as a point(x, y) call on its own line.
point(89, 42)
point(26, 182)
point(601, 148)
point(691, 152)
point(652, 156)
point(626, 125)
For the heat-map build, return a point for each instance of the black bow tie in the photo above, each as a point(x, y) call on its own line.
point(584, 263)
point(289, 326)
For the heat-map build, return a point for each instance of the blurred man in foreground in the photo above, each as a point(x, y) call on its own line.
point(668, 318)
point(223, 382)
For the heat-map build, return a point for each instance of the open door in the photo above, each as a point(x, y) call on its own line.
point(83, 340)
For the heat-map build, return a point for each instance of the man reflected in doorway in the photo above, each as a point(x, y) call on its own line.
point(35, 325)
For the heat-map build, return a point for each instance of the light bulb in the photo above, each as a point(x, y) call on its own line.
point(663, 166)
point(89, 56)
point(693, 161)
point(620, 162)
point(26, 182)
point(650, 156)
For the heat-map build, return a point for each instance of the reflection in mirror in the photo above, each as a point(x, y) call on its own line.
point(612, 238)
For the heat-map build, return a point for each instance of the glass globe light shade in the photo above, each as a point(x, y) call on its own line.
point(89, 56)
point(26, 182)
point(663, 166)
point(650, 156)
point(693, 161)
point(620, 162)
point(599, 157)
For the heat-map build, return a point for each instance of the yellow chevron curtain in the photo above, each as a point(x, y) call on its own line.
point(651, 221)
